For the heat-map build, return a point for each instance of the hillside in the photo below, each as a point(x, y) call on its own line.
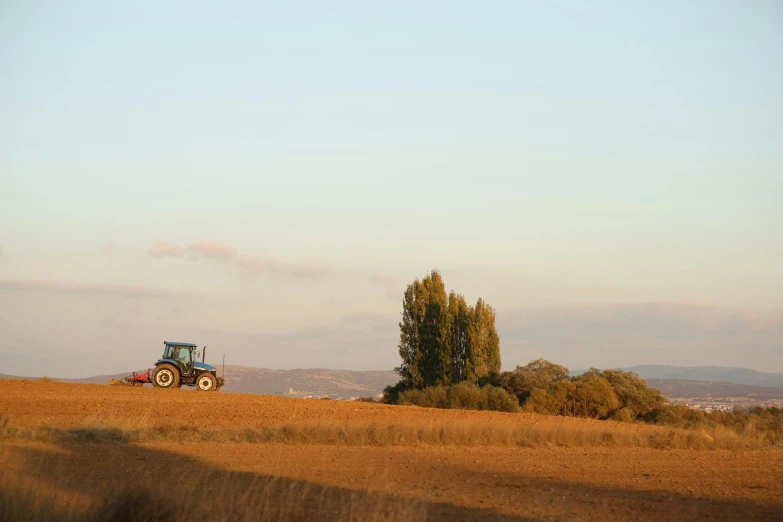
point(306, 382)
point(679, 388)
point(704, 373)
point(709, 373)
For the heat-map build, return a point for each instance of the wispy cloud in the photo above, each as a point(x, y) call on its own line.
point(250, 265)
point(257, 265)
point(160, 250)
point(81, 288)
point(213, 250)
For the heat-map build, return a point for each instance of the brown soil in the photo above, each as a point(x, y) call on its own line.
point(454, 483)
point(33, 403)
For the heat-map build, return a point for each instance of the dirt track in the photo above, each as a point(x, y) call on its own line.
point(462, 483)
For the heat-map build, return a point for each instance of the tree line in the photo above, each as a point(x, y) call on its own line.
point(443, 339)
point(450, 355)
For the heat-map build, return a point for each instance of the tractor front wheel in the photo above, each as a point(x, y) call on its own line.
point(206, 382)
point(165, 376)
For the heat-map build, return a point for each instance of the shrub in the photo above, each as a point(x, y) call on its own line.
point(499, 399)
point(391, 394)
point(622, 415)
point(463, 396)
point(430, 397)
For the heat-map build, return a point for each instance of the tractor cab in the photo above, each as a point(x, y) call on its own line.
point(180, 365)
point(181, 354)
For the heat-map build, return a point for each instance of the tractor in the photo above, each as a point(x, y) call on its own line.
point(179, 365)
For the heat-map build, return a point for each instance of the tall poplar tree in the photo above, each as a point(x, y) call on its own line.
point(459, 329)
point(435, 359)
point(483, 358)
point(443, 340)
point(410, 339)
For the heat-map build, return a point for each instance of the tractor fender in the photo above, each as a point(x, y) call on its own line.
point(169, 361)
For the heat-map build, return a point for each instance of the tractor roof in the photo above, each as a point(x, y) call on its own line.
point(175, 343)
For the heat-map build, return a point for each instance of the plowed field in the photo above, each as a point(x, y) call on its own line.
point(31, 403)
point(449, 481)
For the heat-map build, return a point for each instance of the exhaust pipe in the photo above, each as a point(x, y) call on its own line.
point(204, 354)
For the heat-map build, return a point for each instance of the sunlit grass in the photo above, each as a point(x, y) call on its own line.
point(268, 500)
point(383, 433)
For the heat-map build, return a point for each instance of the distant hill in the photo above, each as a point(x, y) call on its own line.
point(292, 383)
point(673, 381)
point(678, 388)
point(704, 373)
point(301, 382)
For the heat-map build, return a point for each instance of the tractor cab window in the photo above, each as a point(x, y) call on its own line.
point(184, 355)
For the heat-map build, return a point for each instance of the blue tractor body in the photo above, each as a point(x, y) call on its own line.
point(179, 366)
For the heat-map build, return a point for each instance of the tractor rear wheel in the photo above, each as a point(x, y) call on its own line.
point(206, 382)
point(165, 376)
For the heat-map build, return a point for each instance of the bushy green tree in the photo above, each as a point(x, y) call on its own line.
point(545, 387)
point(555, 398)
point(594, 397)
point(635, 397)
point(590, 397)
point(538, 374)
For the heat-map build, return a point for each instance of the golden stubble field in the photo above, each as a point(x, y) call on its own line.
point(104, 452)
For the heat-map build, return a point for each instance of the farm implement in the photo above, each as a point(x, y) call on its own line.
point(178, 366)
point(137, 379)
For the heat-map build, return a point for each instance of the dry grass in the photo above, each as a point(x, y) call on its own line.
point(379, 433)
point(269, 501)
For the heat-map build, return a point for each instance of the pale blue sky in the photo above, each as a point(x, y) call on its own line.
point(538, 153)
